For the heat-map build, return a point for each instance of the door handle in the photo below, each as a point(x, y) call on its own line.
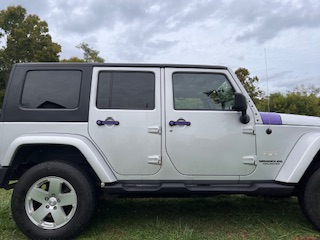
point(179, 122)
point(107, 122)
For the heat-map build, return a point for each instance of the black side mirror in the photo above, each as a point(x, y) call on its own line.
point(240, 104)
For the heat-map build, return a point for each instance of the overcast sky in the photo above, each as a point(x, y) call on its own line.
point(217, 32)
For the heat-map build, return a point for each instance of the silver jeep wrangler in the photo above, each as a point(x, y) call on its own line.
point(72, 132)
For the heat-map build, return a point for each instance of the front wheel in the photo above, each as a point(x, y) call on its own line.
point(309, 199)
point(53, 200)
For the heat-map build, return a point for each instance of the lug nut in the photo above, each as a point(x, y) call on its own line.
point(58, 200)
point(52, 195)
point(55, 208)
point(46, 199)
point(47, 206)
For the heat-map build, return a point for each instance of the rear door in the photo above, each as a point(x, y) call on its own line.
point(124, 118)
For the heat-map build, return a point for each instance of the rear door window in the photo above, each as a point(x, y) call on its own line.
point(126, 90)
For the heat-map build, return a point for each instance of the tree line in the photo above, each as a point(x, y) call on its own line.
point(302, 100)
point(26, 38)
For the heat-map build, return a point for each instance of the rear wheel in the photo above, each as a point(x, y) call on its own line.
point(53, 200)
point(309, 199)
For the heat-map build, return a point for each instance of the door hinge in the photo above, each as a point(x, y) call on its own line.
point(154, 159)
point(250, 160)
point(248, 130)
point(154, 129)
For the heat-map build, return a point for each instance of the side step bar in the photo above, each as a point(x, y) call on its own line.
point(178, 189)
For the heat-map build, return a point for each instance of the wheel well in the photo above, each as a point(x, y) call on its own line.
point(315, 164)
point(28, 156)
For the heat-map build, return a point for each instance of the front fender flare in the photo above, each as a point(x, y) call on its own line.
point(84, 145)
point(300, 158)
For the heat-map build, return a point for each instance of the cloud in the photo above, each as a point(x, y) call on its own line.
point(265, 20)
point(279, 75)
point(139, 28)
point(34, 7)
point(255, 20)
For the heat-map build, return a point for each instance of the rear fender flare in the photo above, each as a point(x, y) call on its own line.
point(83, 144)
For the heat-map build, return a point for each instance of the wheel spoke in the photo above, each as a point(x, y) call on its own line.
point(67, 199)
point(59, 216)
point(55, 186)
point(53, 199)
point(40, 214)
point(39, 195)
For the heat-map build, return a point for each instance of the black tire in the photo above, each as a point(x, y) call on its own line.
point(309, 198)
point(57, 196)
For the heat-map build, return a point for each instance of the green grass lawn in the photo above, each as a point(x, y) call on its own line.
point(222, 217)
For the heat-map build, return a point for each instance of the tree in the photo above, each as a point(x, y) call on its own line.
point(250, 84)
point(302, 100)
point(72, 59)
point(89, 55)
point(26, 39)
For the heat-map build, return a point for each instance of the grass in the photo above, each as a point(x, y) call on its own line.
point(221, 217)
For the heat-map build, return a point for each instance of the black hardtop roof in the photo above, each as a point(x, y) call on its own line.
point(160, 65)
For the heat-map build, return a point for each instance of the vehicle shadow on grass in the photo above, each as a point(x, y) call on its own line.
point(221, 217)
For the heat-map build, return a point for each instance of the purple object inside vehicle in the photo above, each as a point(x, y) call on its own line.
point(271, 118)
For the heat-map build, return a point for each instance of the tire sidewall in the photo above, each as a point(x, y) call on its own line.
point(310, 199)
point(85, 200)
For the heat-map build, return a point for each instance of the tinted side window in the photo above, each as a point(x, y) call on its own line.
point(202, 91)
point(51, 89)
point(126, 90)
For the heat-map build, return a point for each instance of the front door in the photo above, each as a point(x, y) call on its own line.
point(124, 118)
point(204, 136)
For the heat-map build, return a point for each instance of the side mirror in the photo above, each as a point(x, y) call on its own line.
point(240, 104)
